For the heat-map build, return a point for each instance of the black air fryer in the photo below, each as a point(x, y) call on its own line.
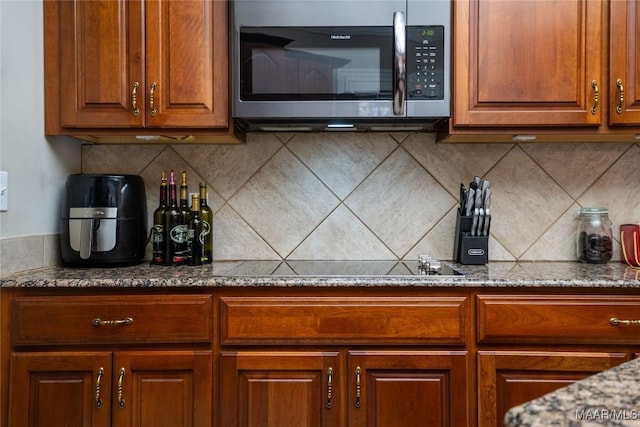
point(103, 222)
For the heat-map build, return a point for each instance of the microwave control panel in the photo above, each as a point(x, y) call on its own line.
point(425, 62)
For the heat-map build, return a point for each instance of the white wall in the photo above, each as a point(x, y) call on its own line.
point(37, 166)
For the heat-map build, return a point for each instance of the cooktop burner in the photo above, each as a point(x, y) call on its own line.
point(424, 266)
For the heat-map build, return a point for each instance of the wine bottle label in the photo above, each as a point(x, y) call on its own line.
point(180, 233)
point(206, 229)
point(158, 236)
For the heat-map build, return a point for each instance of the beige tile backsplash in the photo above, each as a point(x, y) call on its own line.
point(386, 196)
point(373, 196)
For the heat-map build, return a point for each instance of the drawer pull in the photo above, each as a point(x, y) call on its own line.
point(329, 388)
point(98, 381)
point(615, 322)
point(99, 322)
point(358, 387)
point(120, 398)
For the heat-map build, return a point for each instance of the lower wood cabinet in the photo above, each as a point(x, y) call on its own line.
point(146, 388)
point(532, 344)
point(105, 358)
point(510, 378)
point(386, 388)
point(303, 357)
point(408, 388)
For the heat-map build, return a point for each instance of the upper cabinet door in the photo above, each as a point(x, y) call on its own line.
point(186, 53)
point(135, 64)
point(527, 63)
point(100, 62)
point(624, 68)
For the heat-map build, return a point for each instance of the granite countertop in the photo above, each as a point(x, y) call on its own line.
point(610, 398)
point(334, 274)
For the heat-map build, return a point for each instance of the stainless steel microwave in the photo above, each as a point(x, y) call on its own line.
point(341, 64)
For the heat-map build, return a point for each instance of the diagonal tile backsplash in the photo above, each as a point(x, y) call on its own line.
point(386, 196)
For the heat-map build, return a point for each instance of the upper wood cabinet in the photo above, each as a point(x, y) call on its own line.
point(624, 67)
point(117, 68)
point(542, 68)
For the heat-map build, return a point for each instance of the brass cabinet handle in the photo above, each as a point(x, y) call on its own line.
point(98, 381)
point(620, 97)
point(99, 322)
point(358, 387)
point(615, 322)
point(329, 388)
point(120, 398)
point(134, 99)
point(596, 96)
point(152, 91)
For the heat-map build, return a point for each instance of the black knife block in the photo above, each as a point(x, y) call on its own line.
point(468, 249)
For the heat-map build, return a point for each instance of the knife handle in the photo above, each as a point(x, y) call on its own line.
point(487, 221)
point(480, 222)
point(469, 204)
point(474, 224)
point(479, 196)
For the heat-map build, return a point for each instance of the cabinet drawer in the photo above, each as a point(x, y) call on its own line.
point(570, 319)
point(101, 319)
point(333, 320)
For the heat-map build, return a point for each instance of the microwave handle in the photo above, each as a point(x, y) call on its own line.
point(399, 63)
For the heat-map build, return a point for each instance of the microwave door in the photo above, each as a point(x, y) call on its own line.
point(317, 72)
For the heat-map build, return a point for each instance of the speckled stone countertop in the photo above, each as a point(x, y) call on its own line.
point(334, 274)
point(610, 398)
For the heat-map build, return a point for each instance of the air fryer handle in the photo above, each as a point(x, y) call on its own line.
point(86, 238)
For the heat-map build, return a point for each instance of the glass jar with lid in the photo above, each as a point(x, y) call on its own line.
point(594, 237)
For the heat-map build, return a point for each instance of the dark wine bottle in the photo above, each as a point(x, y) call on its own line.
point(196, 244)
point(181, 255)
point(174, 236)
point(185, 212)
point(158, 223)
point(206, 215)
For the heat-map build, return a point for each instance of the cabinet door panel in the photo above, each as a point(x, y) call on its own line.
point(40, 382)
point(101, 48)
point(274, 389)
point(510, 378)
point(185, 46)
point(625, 63)
point(526, 63)
point(407, 389)
point(163, 389)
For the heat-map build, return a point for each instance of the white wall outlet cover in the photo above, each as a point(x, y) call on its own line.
point(4, 191)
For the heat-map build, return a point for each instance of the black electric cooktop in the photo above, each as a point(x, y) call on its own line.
point(338, 268)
